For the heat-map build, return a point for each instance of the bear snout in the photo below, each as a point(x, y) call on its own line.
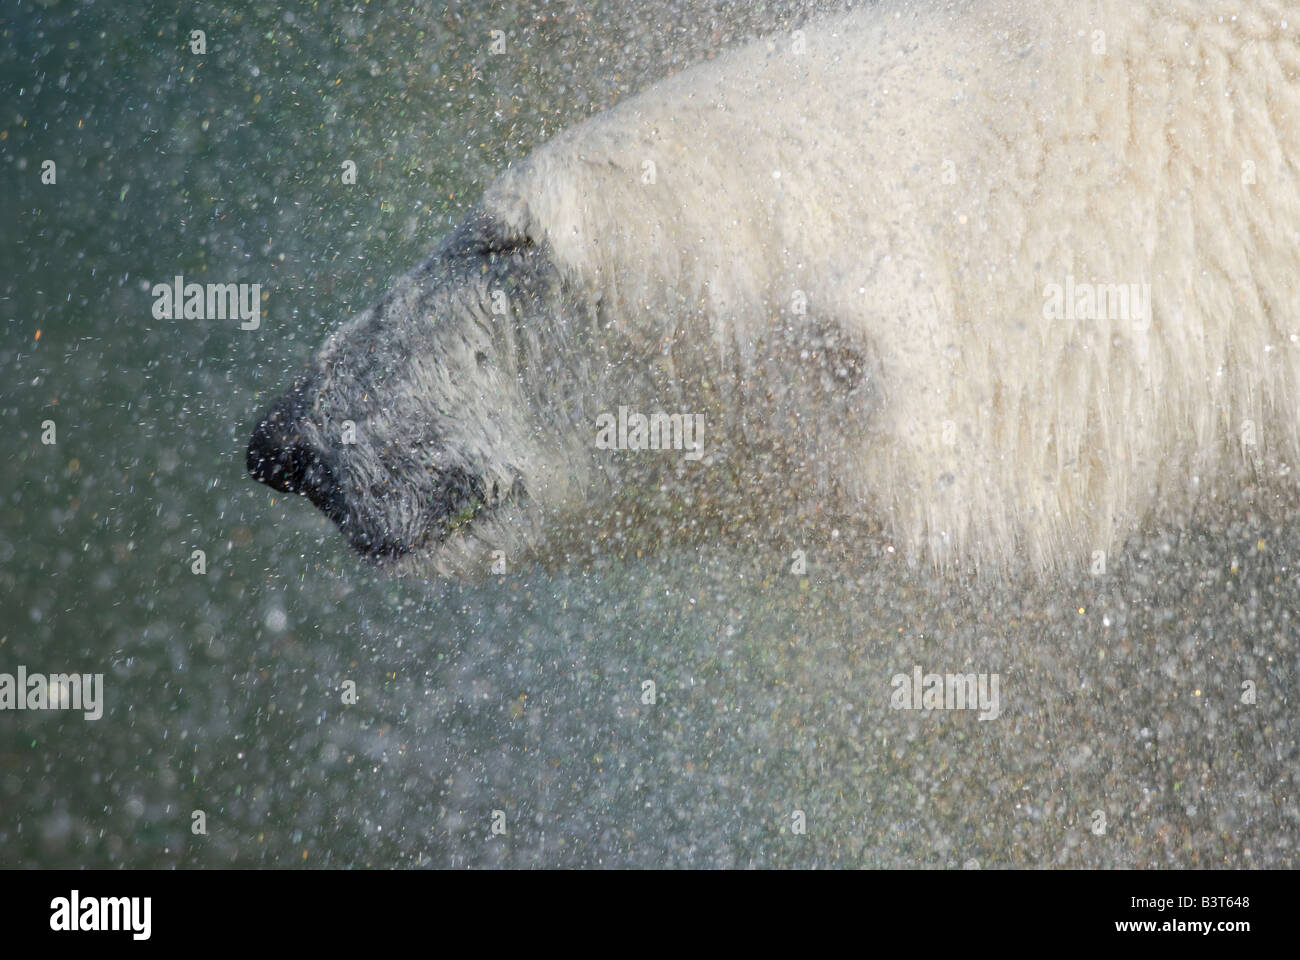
point(280, 457)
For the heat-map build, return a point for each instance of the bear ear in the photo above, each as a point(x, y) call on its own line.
point(480, 234)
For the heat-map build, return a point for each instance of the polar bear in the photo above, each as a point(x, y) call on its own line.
point(1008, 279)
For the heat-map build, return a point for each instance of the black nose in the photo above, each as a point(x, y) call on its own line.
point(279, 457)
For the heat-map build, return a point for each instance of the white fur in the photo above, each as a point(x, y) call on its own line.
point(1117, 167)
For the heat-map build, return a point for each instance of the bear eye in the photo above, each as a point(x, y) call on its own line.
point(482, 358)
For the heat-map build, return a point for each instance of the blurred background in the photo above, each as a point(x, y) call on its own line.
point(1120, 693)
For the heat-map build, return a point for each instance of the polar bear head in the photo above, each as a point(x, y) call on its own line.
point(427, 424)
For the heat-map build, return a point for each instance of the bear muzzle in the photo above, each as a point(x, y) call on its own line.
point(281, 458)
point(440, 503)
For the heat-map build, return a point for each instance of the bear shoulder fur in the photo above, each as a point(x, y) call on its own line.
point(1063, 236)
